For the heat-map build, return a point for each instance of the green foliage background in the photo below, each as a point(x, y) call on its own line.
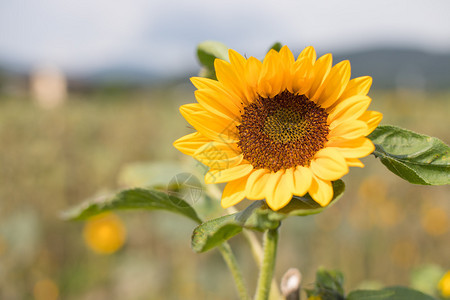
point(52, 160)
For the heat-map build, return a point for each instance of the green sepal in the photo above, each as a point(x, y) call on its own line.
point(276, 46)
point(415, 157)
point(390, 293)
point(138, 198)
point(207, 52)
point(258, 216)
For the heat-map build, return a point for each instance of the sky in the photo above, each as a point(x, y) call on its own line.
point(82, 36)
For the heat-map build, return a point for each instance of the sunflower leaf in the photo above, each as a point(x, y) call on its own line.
point(329, 285)
point(207, 52)
point(138, 198)
point(390, 293)
point(216, 231)
point(415, 157)
point(213, 233)
point(258, 216)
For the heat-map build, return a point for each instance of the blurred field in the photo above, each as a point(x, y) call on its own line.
point(381, 230)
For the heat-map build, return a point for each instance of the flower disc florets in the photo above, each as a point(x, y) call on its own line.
point(282, 132)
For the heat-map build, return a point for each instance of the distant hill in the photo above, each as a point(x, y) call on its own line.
point(389, 68)
point(392, 67)
point(124, 74)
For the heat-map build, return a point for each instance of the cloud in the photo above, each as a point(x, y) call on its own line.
point(84, 35)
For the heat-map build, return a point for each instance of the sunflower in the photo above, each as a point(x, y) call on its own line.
point(280, 127)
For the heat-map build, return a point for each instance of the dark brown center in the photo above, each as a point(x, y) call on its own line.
point(282, 132)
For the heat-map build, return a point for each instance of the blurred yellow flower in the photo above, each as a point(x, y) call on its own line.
point(45, 289)
point(314, 298)
point(444, 285)
point(104, 233)
point(280, 127)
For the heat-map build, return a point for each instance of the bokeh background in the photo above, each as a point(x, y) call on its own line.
point(89, 89)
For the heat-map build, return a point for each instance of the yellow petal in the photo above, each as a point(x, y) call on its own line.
point(256, 184)
point(188, 144)
point(221, 101)
point(270, 81)
point(191, 108)
point(321, 69)
point(234, 192)
point(354, 162)
point(218, 87)
point(223, 164)
point(206, 83)
point(218, 104)
point(308, 53)
point(218, 155)
point(349, 109)
point(237, 61)
point(209, 125)
point(290, 179)
point(357, 148)
point(302, 180)
point(226, 74)
point(233, 173)
point(301, 76)
point(287, 61)
point(357, 86)
point(334, 85)
point(271, 185)
point(241, 69)
point(268, 65)
point(351, 129)
point(372, 119)
point(279, 190)
point(329, 164)
point(253, 70)
point(286, 56)
point(220, 149)
point(321, 191)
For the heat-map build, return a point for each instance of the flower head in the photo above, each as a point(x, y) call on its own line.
point(280, 127)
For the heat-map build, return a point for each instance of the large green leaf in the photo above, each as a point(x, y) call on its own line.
point(133, 199)
point(415, 157)
point(207, 52)
point(391, 293)
point(257, 216)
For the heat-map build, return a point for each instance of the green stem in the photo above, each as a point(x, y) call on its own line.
point(233, 265)
point(267, 265)
point(257, 252)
